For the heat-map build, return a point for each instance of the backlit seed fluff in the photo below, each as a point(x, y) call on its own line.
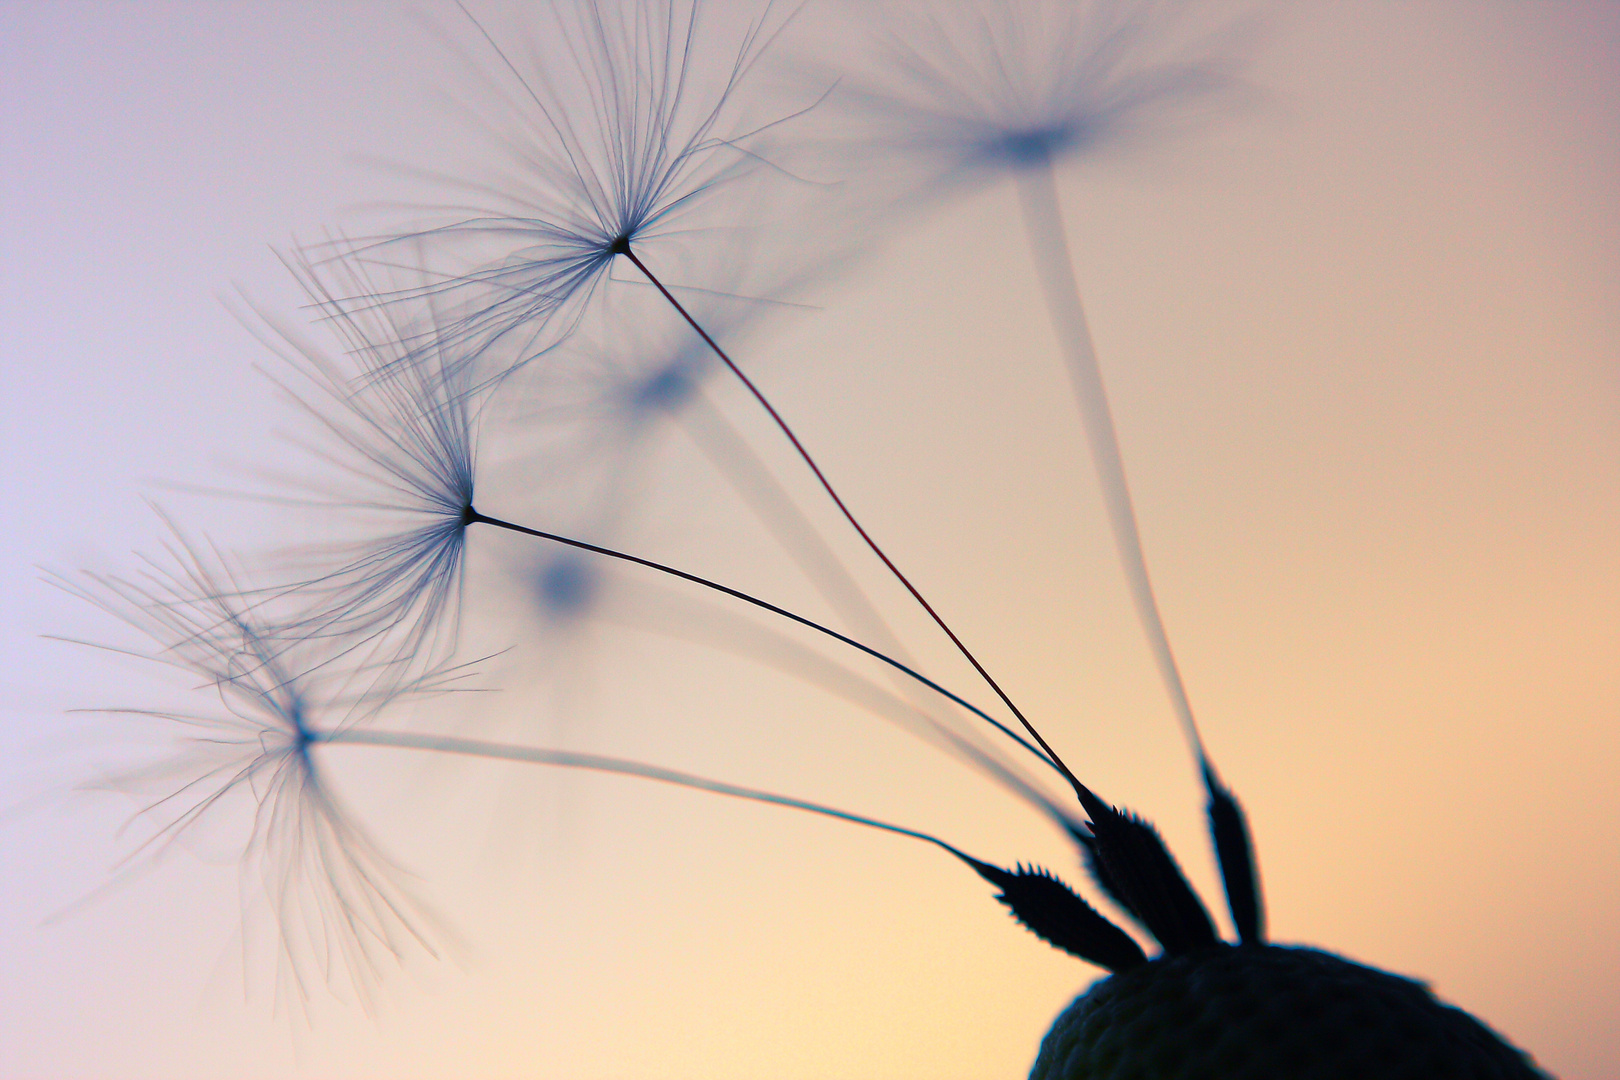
point(246, 769)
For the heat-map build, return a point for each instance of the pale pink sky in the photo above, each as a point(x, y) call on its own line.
point(1362, 349)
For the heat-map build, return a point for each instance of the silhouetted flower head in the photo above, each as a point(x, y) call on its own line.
point(964, 91)
point(247, 765)
point(623, 133)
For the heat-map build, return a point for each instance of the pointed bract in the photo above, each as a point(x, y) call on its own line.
point(1053, 912)
point(1150, 883)
point(1229, 829)
point(1086, 840)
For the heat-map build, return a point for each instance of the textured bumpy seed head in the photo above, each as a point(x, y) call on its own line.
point(1269, 1013)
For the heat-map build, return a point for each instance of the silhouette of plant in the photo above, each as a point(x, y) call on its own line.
point(631, 151)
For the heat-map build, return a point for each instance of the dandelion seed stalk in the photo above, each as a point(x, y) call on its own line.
point(569, 759)
point(622, 247)
point(730, 454)
point(1049, 247)
point(1035, 897)
point(474, 517)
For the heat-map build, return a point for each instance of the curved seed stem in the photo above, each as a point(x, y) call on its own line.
point(1043, 223)
point(473, 517)
point(826, 485)
point(568, 759)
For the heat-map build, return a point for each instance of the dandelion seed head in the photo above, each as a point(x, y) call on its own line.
point(247, 767)
point(624, 126)
point(967, 91)
point(396, 424)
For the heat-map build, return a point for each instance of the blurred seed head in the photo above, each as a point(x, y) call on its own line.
point(580, 438)
point(247, 766)
point(567, 584)
point(960, 92)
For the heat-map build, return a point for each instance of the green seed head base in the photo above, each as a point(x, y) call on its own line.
point(1269, 1013)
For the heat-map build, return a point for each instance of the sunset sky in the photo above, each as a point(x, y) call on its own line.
point(1359, 331)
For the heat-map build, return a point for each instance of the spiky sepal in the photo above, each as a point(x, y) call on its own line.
point(1229, 829)
point(1140, 870)
point(1052, 910)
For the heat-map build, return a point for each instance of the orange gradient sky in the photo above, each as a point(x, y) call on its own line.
point(1361, 344)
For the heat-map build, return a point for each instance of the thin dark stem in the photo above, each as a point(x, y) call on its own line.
point(568, 759)
point(826, 485)
point(779, 512)
point(473, 517)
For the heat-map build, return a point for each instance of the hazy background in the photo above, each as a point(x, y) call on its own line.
point(1361, 341)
